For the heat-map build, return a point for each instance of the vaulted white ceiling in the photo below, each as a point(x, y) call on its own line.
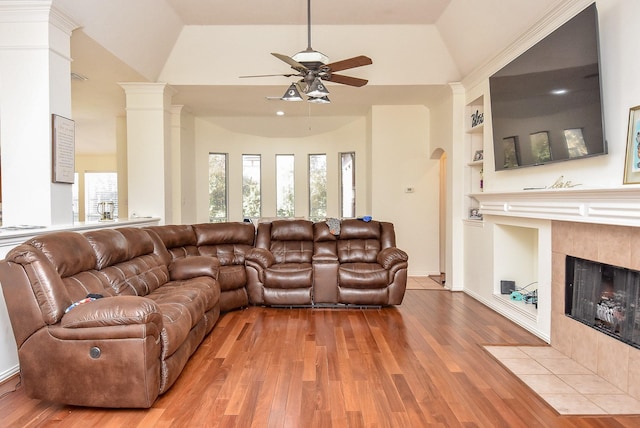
point(202, 47)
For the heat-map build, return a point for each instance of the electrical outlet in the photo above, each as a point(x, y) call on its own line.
point(409, 189)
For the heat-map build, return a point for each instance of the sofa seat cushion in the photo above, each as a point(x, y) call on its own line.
point(289, 275)
point(232, 277)
point(176, 325)
point(200, 291)
point(183, 305)
point(362, 275)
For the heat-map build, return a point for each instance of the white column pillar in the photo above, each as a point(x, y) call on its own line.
point(35, 82)
point(121, 162)
point(149, 149)
point(455, 185)
point(176, 162)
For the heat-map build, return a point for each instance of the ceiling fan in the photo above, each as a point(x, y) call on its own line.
point(313, 67)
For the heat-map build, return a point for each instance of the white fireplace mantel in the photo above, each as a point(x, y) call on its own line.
point(617, 206)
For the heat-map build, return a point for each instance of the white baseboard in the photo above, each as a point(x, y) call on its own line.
point(7, 374)
point(421, 273)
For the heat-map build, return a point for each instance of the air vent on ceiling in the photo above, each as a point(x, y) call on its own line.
point(80, 77)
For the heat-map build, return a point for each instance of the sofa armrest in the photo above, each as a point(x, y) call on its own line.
point(194, 266)
point(113, 311)
point(391, 256)
point(261, 257)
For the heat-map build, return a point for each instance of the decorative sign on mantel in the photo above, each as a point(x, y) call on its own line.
point(64, 139)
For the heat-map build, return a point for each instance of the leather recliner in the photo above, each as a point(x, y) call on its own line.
point(279, 268)
point(370, 269)
point(229, 243)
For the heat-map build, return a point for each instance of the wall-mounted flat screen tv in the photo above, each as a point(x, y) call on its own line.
point(546, 105)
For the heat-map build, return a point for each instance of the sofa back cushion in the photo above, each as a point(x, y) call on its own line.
point(359, 241)
point(179, 239)
point(229, 242)
point(127, 263)
point(51, 262)
point(290, 241)
point(109, 246)
point(324, 247)
point(69, 252)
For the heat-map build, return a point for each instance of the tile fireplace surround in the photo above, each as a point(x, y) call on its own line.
point(602, 225)
point(613, 360)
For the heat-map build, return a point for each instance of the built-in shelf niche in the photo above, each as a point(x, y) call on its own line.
point(516, 255)
point(522, 253)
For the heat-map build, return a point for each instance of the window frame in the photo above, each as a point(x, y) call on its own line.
point(226, 189)
point(292, 182)
point(259, 213)
point(342, 184)
point(313, 217)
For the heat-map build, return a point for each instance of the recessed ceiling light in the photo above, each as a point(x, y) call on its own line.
point(280, 113)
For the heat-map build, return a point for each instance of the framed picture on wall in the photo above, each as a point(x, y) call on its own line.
point(632, 158)
point(510, 149)
point(64, 152)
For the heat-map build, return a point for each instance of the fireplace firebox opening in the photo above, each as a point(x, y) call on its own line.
point(604, 297)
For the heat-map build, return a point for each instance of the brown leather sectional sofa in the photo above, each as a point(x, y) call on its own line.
point(109, 318)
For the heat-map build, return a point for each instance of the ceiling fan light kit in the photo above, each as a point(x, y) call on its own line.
point(319, 100)
point(292, 94)
point(313, 67)
point(317, 89)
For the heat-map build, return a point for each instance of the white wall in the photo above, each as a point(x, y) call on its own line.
point(212, 138)
point(401, 159)
point(392, 153)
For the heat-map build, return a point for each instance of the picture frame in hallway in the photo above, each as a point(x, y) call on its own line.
point(632, 157)
point(63, 149)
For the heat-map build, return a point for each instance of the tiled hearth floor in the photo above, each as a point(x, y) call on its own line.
point(567, 386)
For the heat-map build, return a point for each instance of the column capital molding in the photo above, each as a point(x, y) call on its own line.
point(148, 96)
point(36, 11)
point(146, 88)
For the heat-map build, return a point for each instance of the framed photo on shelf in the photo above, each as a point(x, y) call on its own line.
point(474, 214)
point(510, 149)
point(478, 156)
point(632, 157)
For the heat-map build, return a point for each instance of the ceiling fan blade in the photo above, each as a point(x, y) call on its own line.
point(271, 75)
point(294, 64)
point(356, 61)
point(346, 80)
